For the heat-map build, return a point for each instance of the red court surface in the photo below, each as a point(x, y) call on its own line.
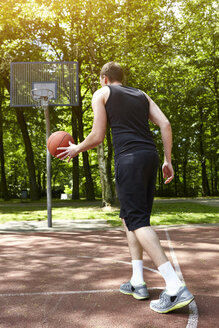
point(71, 279)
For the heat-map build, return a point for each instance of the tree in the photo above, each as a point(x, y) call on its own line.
point(2, 158)
point(168, 49)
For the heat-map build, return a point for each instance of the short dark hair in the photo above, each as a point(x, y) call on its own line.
point(113, 71)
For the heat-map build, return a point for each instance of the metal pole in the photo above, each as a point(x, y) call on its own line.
point(48, 168)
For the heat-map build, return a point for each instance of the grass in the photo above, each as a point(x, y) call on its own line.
point(167, 213)
point(184, 213)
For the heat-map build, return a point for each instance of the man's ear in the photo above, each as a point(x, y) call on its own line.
point(106, 80)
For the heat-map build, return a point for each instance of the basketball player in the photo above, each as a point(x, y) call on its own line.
point(136, 161)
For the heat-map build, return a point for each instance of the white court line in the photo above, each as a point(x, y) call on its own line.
point(82, 291)
point(68, 292)
point(193, 310)
point(60, 293)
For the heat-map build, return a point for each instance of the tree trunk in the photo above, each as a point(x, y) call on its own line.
point(215, 74)
point(2, 158)
point(160, 178)
point(39, 183)
point(44, 182)
point(185, 161)
point(75, 168)
point(213, 167)
point(89, 186)
point(107, 197)
point(176, 178)
point(34, 194)
point(109, 162)
point(216, 179)
point(205, 185)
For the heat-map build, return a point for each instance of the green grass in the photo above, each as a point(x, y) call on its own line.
point(184, 213)
point(61, 210)
point(163, 213)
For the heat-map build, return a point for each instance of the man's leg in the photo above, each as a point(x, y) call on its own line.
point(136, 286)
point(175, 295)
point(135, 248)
point(150, 242)
point(136, 252)
point(147, 239)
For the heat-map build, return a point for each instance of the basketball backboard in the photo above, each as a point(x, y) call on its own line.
point(59, 77)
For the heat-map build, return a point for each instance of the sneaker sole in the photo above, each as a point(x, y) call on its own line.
point(177, 306)
point(137, 297)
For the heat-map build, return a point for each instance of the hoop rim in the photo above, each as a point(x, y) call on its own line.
point(42, 100)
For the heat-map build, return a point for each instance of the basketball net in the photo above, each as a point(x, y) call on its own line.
point(41, 97)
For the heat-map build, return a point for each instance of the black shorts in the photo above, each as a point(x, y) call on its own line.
point(135, 183)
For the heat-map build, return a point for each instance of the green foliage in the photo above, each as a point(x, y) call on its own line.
point(67, 190)
point(168, 49)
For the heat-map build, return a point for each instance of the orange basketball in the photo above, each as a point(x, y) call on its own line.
point(58, 139)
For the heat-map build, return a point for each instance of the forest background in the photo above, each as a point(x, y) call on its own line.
point(169, 49)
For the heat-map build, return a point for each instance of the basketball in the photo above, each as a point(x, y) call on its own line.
point(58, 139)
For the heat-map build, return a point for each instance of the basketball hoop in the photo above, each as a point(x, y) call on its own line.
point(42, 97)
point(43, 85)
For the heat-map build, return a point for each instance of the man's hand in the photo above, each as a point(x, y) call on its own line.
point(71, 151)
point(168, 172)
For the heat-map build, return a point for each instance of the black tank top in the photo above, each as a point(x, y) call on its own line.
point(127, 111)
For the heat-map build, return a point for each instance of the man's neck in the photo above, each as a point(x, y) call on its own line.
point(115, 83)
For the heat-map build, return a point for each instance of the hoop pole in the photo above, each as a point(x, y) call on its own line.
point(48, 168)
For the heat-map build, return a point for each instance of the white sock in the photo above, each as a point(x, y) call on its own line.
point(173, 283)
point(137, 273)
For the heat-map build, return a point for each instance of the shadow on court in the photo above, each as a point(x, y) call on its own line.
point(71, 279)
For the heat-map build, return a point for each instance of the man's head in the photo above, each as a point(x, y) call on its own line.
point(111, 73)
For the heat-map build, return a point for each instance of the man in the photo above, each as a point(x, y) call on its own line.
point(136, 161)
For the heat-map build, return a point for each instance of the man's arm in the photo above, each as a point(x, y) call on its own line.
point(157, 117)
point(98, 131)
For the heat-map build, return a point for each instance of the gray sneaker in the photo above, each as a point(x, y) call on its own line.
point(167, 303)
point(139, 292)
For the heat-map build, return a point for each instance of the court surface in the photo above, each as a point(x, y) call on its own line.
point(71, 279)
